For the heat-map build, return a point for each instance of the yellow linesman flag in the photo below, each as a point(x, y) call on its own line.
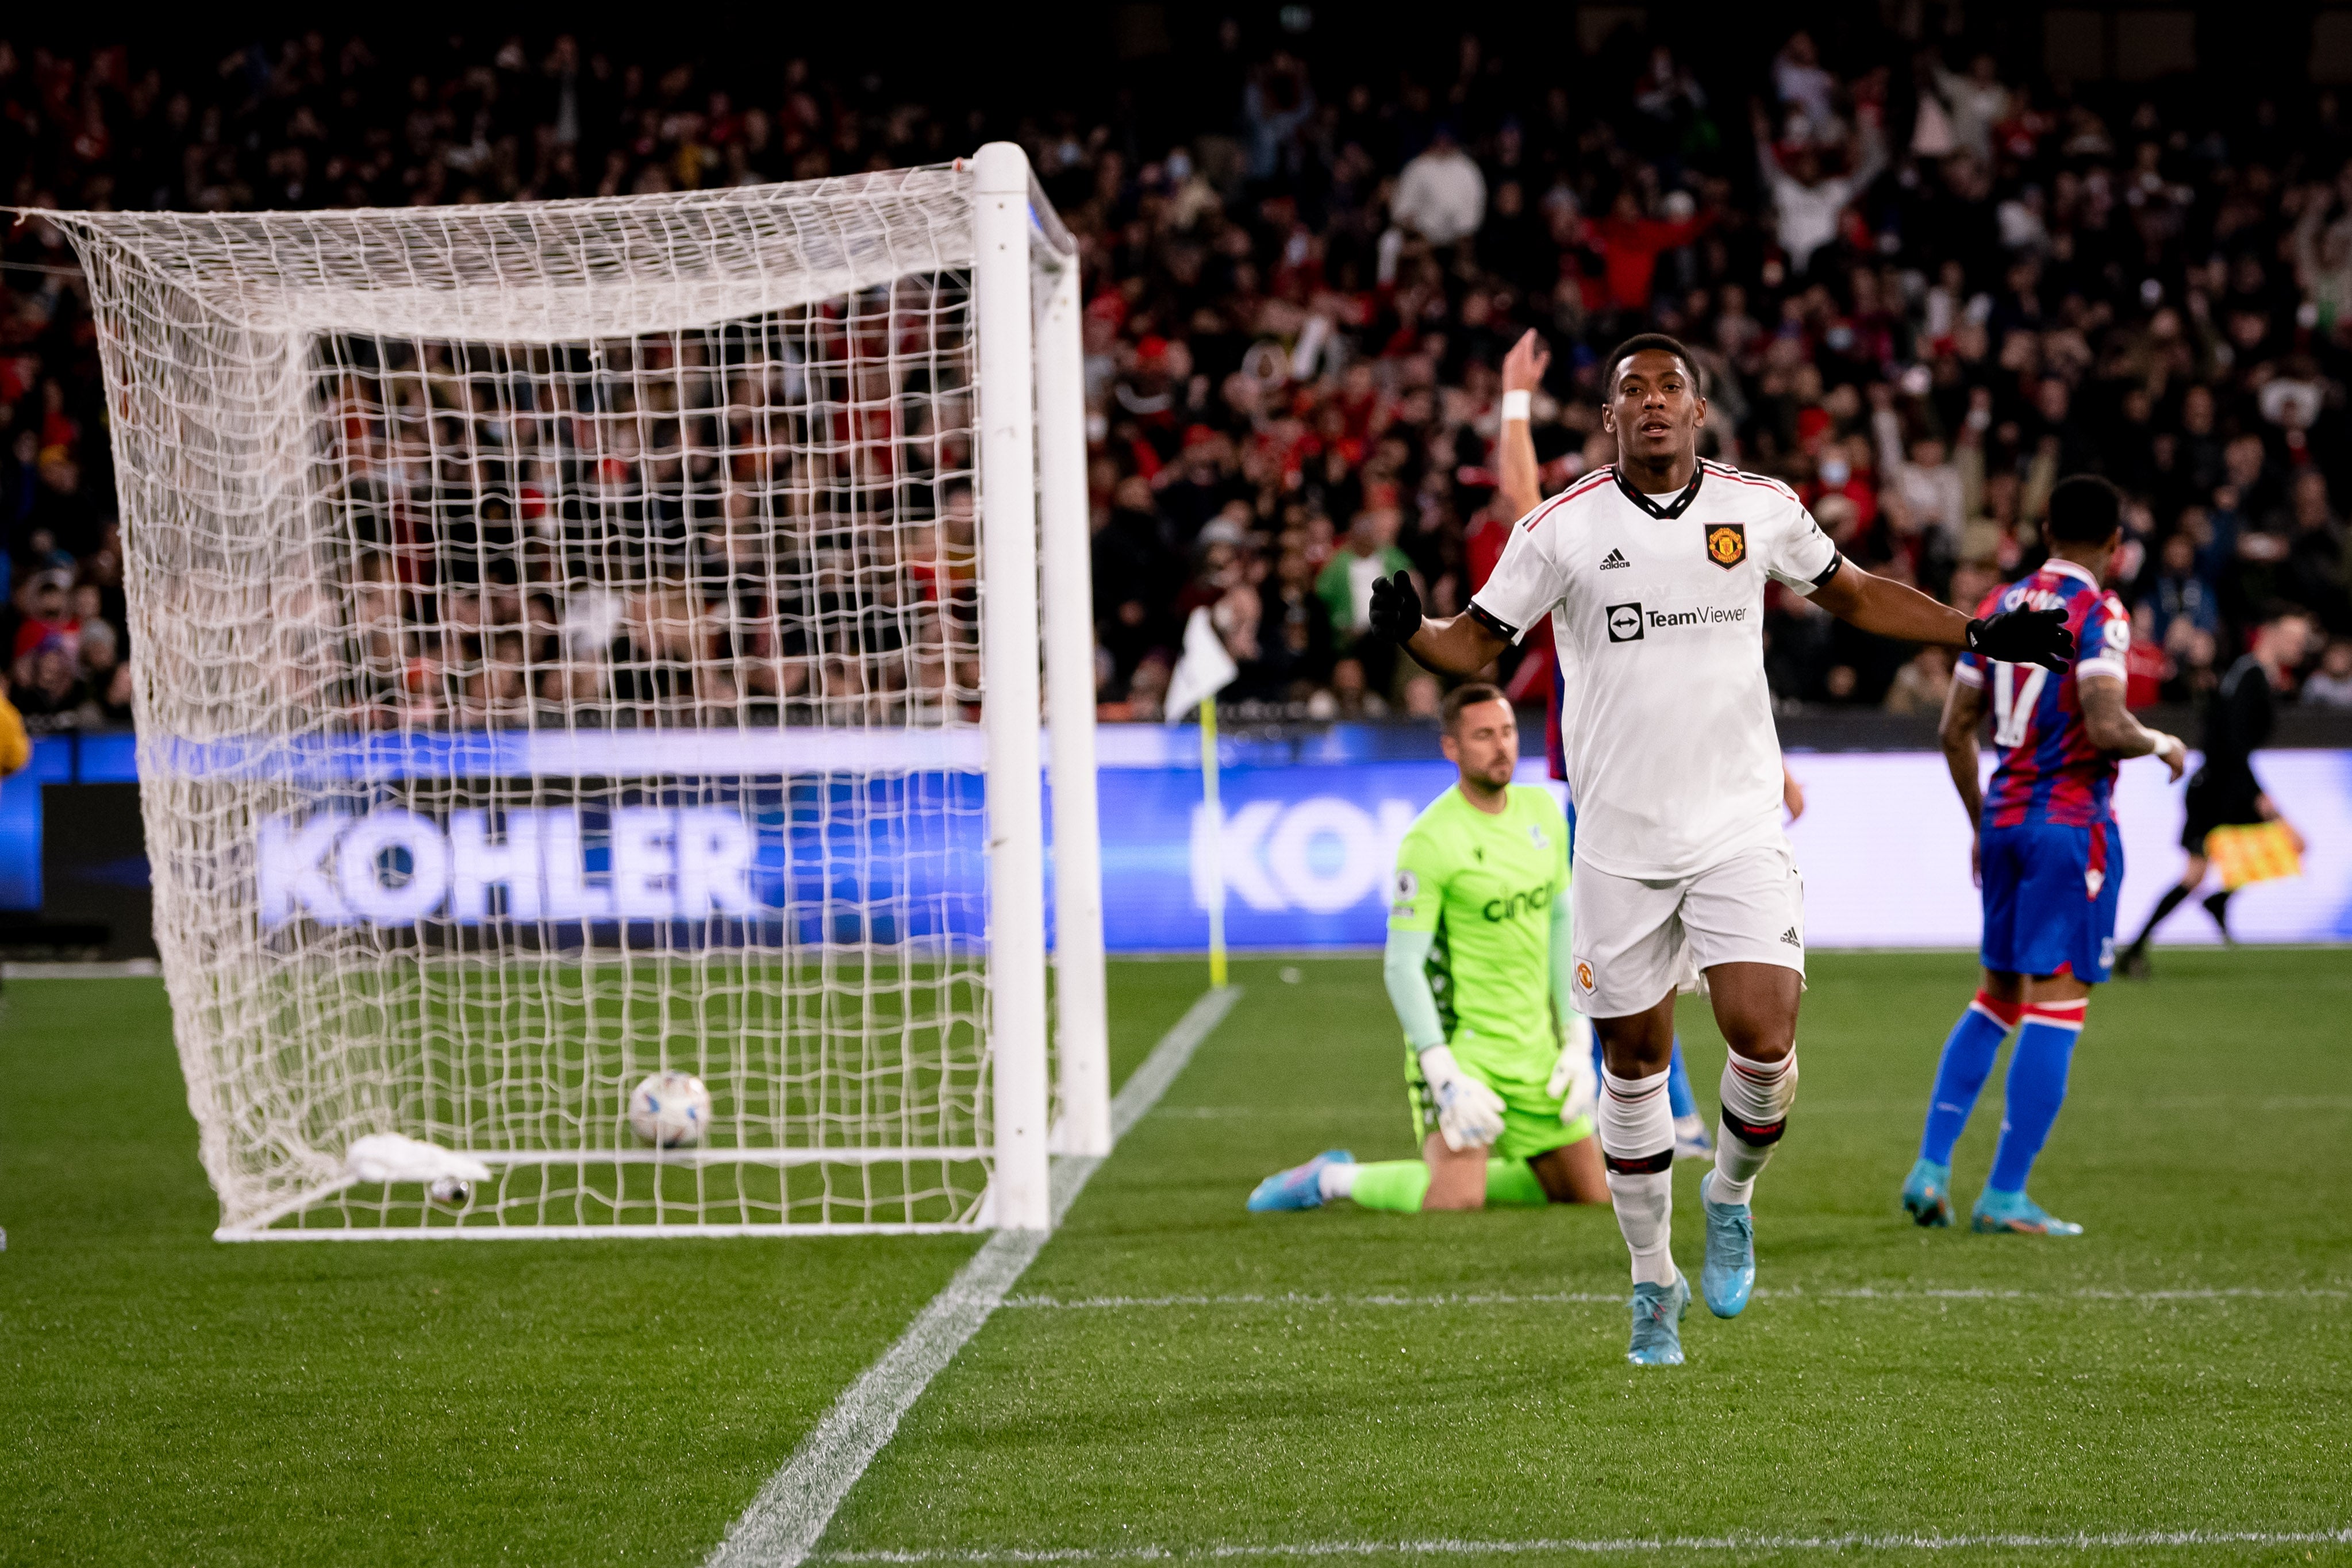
point(2256, 852)
point(16, 746)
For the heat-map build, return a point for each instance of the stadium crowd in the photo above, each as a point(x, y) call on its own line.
point(1924, 285)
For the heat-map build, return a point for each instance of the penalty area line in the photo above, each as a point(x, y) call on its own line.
point(2087, 1540)
point(788, 1518)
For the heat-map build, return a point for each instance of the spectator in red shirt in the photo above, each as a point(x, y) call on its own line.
point(1631, 244)
point(45, 602)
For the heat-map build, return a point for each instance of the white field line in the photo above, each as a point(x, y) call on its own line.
point(1147, 1083)
point(785, 1521)
point(2122, 1540)
point(1617, 1299)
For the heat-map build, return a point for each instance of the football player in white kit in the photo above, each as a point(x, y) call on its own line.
point(1653, 571)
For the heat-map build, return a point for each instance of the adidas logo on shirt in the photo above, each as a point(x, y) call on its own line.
point(1613, 559)
point(1791, 937)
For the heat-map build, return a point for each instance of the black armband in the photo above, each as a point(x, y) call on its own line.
point(1479, 614)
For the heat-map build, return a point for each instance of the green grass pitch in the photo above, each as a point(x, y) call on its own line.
point(1176, 1375)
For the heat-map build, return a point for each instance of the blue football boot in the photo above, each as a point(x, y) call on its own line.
point(1657, 1323)
point(1730, 1271)
point(1691, 1138)
point(2015, 1214)
point(1299, 1187)
point(1927, 1194)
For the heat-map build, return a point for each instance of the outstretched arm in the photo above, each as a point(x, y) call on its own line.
point(1458, 644)
point(1890, 609)
point(1523, 585)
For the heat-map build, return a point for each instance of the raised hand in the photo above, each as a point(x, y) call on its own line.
point(1396, 608)
point(1523, 366)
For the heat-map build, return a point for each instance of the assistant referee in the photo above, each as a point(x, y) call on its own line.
point(2224, 792)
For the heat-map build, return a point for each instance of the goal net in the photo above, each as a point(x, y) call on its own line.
point(587, 641)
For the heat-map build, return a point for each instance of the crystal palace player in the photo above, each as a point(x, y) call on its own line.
point(2048, 856)
point(1653, 571)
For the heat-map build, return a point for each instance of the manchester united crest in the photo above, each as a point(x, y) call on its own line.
point(1726, 544)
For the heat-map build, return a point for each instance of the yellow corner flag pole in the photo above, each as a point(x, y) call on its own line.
point(1216, 841)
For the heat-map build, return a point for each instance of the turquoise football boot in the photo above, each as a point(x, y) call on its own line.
point(1927, 1195)
point(1657, 1323)
point(1730, 1271)
point(1299, 1187)
point(2015, 1214)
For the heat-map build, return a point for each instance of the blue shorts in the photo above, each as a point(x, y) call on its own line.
point(2050, 897)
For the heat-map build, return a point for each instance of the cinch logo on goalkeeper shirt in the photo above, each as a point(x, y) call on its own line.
point(397, 867)
point(1518, 904)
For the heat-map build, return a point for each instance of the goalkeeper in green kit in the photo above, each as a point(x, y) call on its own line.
point(1498, 1068)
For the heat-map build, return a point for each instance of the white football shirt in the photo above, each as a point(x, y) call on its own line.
point(1657, 608)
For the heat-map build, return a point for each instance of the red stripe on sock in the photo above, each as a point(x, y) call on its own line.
point(1763, 1072)
point(2002, 1012)
point(2064, 1014)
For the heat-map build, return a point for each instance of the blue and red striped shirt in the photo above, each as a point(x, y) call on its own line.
point(2048, 770)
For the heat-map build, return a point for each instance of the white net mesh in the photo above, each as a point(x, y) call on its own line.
point(559, 635)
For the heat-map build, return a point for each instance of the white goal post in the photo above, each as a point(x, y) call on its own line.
point(581, 641)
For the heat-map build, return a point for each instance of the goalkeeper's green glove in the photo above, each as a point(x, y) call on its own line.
point(1574, 1083)
point(1469, 1114)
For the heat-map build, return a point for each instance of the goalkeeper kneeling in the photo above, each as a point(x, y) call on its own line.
point(1499, 1068)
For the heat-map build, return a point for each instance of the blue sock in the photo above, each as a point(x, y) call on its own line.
point(1679, 1099)
point(2037, 1087)
point(1969, 1052)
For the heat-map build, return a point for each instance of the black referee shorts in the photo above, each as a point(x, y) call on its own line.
point(2210, 808)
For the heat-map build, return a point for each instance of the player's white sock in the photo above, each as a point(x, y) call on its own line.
point(1637, 1144)
point(1756, 1101)
point(1336, 1180)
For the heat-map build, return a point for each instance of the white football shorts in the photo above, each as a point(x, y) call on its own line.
point(1637, 942)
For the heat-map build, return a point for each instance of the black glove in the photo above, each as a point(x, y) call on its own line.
point(2023, 636)
point(1396, 608)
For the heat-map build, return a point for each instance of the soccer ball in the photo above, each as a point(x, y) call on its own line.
point(670, 1109)
point(452, 1192)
